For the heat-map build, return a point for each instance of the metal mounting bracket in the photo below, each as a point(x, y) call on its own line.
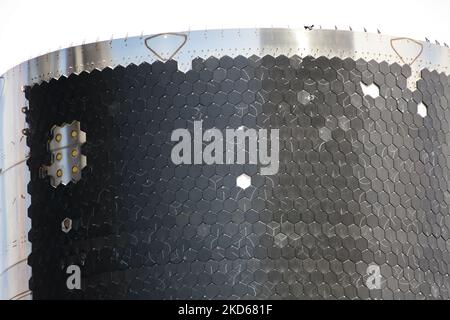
point(67, 160)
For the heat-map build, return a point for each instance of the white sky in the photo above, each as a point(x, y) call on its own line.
point(30, 28)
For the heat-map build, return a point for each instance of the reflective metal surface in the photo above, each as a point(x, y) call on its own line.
point(14, 176)
point(14, 198)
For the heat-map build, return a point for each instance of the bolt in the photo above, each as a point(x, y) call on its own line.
point(66, 225)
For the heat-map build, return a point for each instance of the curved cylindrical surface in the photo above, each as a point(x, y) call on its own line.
point(341, 190)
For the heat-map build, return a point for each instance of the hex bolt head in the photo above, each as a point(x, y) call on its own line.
point(66, 225)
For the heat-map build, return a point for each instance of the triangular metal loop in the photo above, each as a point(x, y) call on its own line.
point(165, 44)
point(406, 42)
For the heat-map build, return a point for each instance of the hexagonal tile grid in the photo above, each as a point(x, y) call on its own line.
point(363, 180)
